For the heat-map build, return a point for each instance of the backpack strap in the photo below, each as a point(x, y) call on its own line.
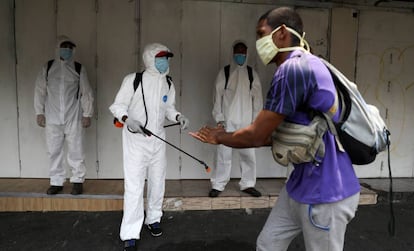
point(331, 112)
point(250, 72)
point(78, 67)
point(137, 80)
point(227, 73)
point(333, 130)
point(49, 65)
point(169, 81)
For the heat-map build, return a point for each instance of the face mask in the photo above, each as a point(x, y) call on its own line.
point(161, 64)
point(65, 53)
point(239, 58)
point(267, 50)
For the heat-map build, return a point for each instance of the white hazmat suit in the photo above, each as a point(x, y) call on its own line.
point(144, 156)
point(63, 96)
point(237, 106)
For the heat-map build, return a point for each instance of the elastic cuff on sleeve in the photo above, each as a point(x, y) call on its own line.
point(121, 118)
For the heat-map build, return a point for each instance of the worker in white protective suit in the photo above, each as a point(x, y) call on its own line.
point(63, 103)
point(237, 101)
point(145, 156)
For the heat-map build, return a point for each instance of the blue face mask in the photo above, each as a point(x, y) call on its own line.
point(65, 53)
point(161, 64)
point(239, 58)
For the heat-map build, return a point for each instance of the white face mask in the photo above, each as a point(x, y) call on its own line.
point(267, 50)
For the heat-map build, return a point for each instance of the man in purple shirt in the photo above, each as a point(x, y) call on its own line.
point(318, 200)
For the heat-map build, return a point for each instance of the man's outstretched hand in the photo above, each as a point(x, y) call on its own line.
point(208, 134)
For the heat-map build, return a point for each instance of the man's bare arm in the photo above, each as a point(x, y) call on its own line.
point(255, 135)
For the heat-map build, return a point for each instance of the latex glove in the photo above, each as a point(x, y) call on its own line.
point(184, 122)
point(86, 122)
point(221, 124)
point(41, 120)
point(134, 126)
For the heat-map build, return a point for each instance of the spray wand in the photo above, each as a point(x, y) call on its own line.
point(149, 133)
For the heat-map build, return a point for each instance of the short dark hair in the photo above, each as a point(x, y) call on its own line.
point(287, 16)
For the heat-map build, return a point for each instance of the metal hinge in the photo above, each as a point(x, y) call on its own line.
point(97, 166)
point(96, 6)
point(180, 164)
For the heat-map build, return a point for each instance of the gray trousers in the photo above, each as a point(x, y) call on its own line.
point(323, 225)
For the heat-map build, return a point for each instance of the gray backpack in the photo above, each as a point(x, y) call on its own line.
point(360, 131)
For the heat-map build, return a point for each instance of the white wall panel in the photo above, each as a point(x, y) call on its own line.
point(35, 44)
point(161, 24)
point(77, 19)
point(9, 152)
point(117, 56)
point(344, 37)
point(385, 77)
point(200, 63)
point(316, 28)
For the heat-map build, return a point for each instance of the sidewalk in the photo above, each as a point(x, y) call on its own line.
point(22, 195)
point(203, 230)
point(403, 188)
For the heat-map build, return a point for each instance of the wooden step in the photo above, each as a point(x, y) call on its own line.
point(107, 195)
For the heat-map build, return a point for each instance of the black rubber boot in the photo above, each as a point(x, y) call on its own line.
point(77, 189)
point(54, 190)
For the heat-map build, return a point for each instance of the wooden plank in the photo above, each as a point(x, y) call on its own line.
point(11, 204)
point(106, 195)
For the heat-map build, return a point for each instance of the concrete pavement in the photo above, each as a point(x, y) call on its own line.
point(211, 230)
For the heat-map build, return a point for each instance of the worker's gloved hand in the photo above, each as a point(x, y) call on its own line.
point(134, 126)
point(41, 120)
point(184, 122)
point(86, 122)
point(221, 124)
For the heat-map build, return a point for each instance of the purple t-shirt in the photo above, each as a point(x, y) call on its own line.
point(302, 83)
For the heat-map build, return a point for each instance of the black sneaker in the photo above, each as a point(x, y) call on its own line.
point(77, 189)
point(131, 245)
point(155, 229)
point(252, 191)
point(214, 193)
point(54, 189)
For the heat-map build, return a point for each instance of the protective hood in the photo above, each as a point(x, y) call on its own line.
point(148, 56)
point(234, 64)
point(60, 40)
